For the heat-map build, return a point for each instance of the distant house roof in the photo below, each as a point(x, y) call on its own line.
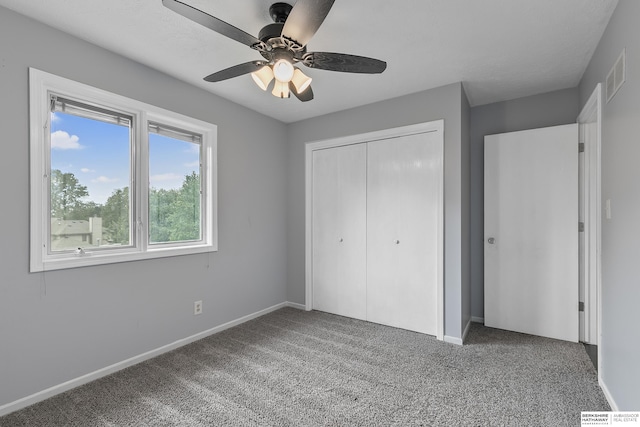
point(69, 227)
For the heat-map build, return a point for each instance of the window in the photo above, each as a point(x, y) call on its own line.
point(174, 199)
point(114, 179)
point(89, 176)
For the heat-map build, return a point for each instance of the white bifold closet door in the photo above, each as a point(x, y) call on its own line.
point(404, 178)
point(339, 230)
point(376, 224)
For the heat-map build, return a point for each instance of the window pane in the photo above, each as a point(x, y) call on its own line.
point(90, 175)
point(174, 185)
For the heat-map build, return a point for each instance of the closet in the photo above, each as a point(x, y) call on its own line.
point(374, 227)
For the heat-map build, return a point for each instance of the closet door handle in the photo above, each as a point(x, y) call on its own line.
point(397, 242)
point(341, 240)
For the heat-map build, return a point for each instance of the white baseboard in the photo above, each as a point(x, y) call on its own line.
point(296, 305)
point(92, 376)
point(607, 394)
point(456, 340)
point(475, 319)
point(452, 340)
point(466, 331)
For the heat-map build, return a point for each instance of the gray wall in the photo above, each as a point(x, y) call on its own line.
point(620, 345)
point(465, 164)
point(549, 109)
point(440, 103)
point(57, 326)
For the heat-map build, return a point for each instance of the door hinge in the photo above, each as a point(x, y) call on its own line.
point(581, 147)
point(581, 227)
point(580, 306)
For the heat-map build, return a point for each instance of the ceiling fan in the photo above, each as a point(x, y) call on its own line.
point(283, 44)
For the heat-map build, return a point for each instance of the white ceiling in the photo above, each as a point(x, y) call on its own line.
point(499, 49)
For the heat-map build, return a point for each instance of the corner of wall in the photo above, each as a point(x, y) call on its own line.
point(465, 123)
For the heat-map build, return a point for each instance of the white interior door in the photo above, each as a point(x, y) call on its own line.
point(404, 206)
point(339, 218)
point(531, 232)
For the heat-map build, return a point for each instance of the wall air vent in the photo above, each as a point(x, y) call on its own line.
point(616, 76)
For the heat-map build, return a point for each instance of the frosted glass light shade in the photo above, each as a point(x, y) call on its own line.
point(283, 70)
point(281, 89)
point(263, 77)
point(300, 81)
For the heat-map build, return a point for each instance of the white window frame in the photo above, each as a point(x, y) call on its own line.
point(42, 85)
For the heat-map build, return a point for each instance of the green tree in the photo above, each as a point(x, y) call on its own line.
point(115, 217)
point(185, 215)
point(85, 211)
point(174, 215)
point(161, 204)
point(66, 194)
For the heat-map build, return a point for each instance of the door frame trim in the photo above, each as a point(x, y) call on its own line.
point(310, 147)
point(592, 113)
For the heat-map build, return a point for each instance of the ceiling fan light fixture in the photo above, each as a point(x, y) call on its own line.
point(300, 80)
point(281, 90)
point(282, 45)
point(263, 77)
point(283, 70)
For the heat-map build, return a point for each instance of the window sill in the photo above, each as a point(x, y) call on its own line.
point(100, 258)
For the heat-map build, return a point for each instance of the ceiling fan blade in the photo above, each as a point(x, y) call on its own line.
point(235, 71)
point(305, 18)
point(211, 22)
point(344, 63)
point(306, 95)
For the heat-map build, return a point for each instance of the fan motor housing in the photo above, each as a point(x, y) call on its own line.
point(270, 31)
point(279, 12)
point(275, 46)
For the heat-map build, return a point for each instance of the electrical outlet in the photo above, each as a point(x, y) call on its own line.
point(197, 308)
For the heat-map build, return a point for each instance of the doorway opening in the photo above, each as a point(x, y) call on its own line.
point(589, 122)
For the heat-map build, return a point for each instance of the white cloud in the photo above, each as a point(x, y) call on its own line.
point(165, 177)
point(86, 170)
point(166, 180)
point(104, 179)
point(61, 140)
point(193, 148)
point(54, 118)
point(195, 164)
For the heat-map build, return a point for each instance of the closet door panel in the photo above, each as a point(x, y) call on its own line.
point(403, 208)
point(339, 230)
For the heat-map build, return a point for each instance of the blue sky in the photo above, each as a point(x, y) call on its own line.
point(98, 154)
